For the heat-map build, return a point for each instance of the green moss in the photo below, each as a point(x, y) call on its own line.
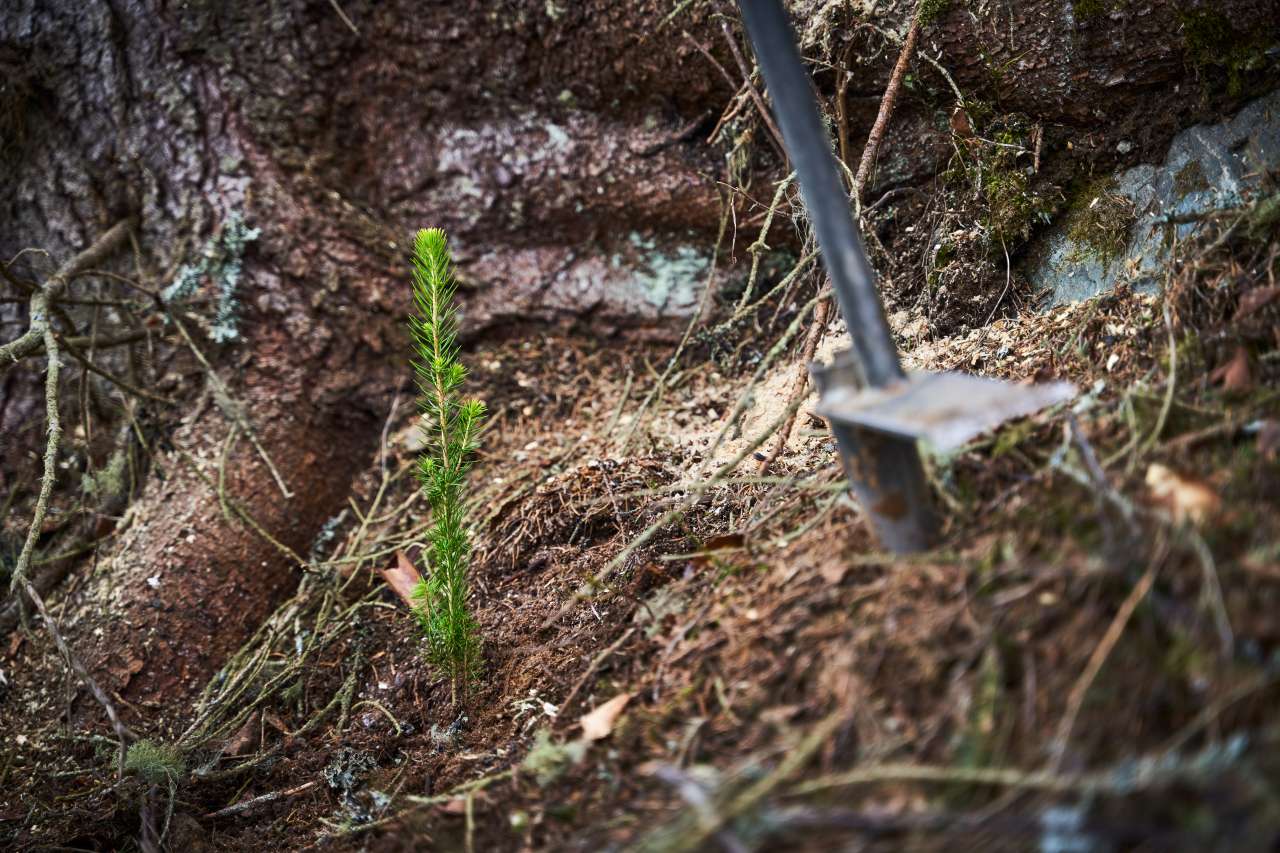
point(1012, 206)
point(1099, 223)
point(1087, 10)
point(1211, 41)
point(996, 167)
point(945, 254)
point(1189, 179)
point(108, 481)
point(929, 11)
point(547, 760)
point(155, 763)
point(1263, 219)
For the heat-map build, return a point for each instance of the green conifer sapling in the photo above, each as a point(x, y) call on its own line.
point(452, 427)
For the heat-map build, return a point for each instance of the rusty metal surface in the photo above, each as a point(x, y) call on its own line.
point(945, 409)
point(884, 470)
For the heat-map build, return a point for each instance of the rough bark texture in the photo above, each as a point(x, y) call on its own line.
point(548, 138)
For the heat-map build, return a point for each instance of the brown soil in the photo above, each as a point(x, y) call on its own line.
point(1086, 661)
point(760, 614)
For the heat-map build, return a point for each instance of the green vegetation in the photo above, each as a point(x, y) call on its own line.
point(1263, 218)
point(928, 11)
point(1099, 223)
point(155, 763)
point(452, 427)
point(996, 167)
point(1189, 179)
point(1210, 40)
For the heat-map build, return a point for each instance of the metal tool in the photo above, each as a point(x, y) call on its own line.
point(876, 411)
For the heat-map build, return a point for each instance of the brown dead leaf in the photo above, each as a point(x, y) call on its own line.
point(458, 806)
point(1186, 499)
point(1254, 300)
point(1269, 440)
point(1235, 376)
point(244, 740)
point(125, 669)
point(599, 722)
point(403, 577)
point(275, 722)
point(717, 546)
point(960, 124)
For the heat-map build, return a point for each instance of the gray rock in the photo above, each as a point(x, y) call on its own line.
point(1207, 167)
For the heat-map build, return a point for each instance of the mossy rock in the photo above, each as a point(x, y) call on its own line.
point(1211, 41)
point(1099, 223)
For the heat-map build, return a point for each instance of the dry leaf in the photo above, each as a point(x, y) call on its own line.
point(960, 124)
point(245, 740)
point(1269, 440)
point(458, 806)
point(275, 722)
point(1256, 299)
point(403, 577)
point(599, 723)
point(1188, 500)
point(715, 546)
point(1235, 375)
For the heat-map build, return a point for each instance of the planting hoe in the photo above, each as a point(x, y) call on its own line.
point(877, 412)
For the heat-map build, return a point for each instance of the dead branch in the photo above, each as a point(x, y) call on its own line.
point(1099, 658)
point(886, 110)
point(29, 342)
point(246, 805)
point(40, 306)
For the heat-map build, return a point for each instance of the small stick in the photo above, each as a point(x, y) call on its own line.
point(29, 341)
point(1099, 657)
point(886, 110)
point(1172, 385)
point(246, 805)
point(343, 16)
point(1146, 773)
point(243, 513)
point(696, 492)
point(122, 384)
point(383, 708)
point(20, 579)
point(821, 315)
point(595, 664)
point(230, 407)
point(755, 94)
point(760, 246)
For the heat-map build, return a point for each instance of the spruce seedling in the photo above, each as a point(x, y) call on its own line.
point(452, 427)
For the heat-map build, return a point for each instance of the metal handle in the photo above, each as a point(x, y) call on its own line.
point(795, 106)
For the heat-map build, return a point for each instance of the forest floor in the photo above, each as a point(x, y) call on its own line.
point(683, 653)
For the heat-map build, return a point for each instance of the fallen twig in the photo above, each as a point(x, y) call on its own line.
point(1127, 778)
point(222, 394)
point(751, 89)
point(593, 666)
point(20, 582)
point(246, 805)
point(1099, 657)
point(886, 110)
